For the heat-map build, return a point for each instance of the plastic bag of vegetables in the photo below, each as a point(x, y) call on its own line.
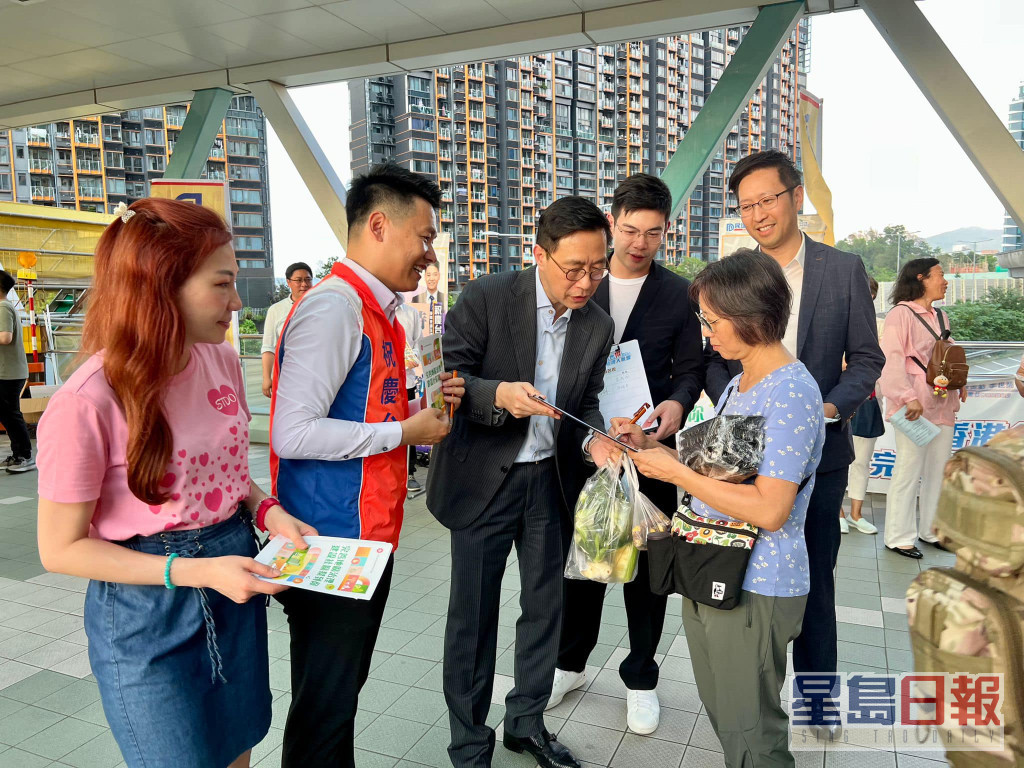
point(647, 518)
point(602, 543)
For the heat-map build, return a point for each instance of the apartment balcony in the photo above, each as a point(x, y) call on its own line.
point(421, 109)
point(67, 196)
point(40, 166)
point(87, 139)
point(90, 166)
point(39, 139)
point(43, 193)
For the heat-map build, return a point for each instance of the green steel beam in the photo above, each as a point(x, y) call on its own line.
point(745, 71)
point(202, 124)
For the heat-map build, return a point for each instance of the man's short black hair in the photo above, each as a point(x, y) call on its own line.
point(750, 290)
point(6, 283)
point(388, 186)
point(567, 216)
point(789, 174)
point(642, 192)
point(293, 268)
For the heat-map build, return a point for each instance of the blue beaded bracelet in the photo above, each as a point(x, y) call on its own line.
point(167, 570)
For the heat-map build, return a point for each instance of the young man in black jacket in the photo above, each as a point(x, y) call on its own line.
point(650, 304)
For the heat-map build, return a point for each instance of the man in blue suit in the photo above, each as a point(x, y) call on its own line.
point(832, 317)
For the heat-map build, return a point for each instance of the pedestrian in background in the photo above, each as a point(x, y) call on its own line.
point(13, 375)
point(866, 426)
point(300, 279)
point(907, 343)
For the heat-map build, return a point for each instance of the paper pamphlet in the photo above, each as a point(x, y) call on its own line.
point(625, 383)
point(920, 430)
point(346, 567)
point(433, 366)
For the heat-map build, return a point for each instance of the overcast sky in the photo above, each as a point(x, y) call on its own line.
point(887, 157)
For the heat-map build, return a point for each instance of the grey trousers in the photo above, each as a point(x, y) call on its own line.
point(739, 662)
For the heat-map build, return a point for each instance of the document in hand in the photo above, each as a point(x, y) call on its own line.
point(345, 567)
point(625, 383)
point(433, 366)
point(920, 430)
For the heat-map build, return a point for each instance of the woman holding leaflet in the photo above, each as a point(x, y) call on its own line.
point(907, 342)
point(144, 489)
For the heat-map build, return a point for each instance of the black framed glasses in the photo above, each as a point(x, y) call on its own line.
point(707, 324)
point(633, 233)
point(766, 203)
point(301, 280)
point(575, 275)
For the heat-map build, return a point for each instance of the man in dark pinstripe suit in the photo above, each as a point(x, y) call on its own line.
point(510, 472)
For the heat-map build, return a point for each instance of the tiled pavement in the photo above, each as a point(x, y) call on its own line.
point(50, 713)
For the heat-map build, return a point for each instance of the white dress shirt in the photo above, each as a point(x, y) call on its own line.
point(540, 438)
point(794, 272)
point(325, 337)
point(276, 315)
point(410, 320)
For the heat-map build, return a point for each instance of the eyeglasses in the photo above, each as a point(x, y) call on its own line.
point(766, 203)
point(301, 280)
point(632, 233)
point(708, 324)
point(575, 275)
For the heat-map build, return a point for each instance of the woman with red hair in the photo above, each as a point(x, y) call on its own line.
point(144, 488)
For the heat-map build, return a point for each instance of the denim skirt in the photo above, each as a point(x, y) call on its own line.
point(183, 673)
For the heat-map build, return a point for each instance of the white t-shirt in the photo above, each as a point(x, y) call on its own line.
point(274, 321)
point(622, 296)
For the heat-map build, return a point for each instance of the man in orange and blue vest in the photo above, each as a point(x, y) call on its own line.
point(340, 424)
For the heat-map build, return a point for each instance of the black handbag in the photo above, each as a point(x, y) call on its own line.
point(705, 559)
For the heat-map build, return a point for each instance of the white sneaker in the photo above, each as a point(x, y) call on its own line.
point(564, 683)
point(643, 711)
point(863, 526)
point(844, 526)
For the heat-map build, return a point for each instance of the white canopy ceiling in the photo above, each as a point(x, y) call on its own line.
point(61, 59)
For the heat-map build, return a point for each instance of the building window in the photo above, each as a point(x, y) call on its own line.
point(423, 145)
point(243, 148)
point(113, 159)
point(134, 164)
point(247, 219)
point(115, 186)
point(248, 243)
point(246, 196)
point(5, 182)
point(156, 162)
point(5, 155)
point(154, 137)
point(89, 186)
point(422, 124)
point(241, 126)
point(246, 172)
point(424, 166)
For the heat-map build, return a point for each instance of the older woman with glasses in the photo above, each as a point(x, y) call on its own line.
point(739, 655)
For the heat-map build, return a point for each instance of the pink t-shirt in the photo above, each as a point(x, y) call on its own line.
point(83, 440)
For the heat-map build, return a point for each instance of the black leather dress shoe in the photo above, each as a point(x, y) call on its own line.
point(936, 544)
point(913, 553)
point(544, 748)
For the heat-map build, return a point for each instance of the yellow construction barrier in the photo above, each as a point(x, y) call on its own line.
point(63, 240)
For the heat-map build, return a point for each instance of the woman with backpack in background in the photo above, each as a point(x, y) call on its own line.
point(908, 338)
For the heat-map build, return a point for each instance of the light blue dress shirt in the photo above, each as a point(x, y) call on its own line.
point(540, 439)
